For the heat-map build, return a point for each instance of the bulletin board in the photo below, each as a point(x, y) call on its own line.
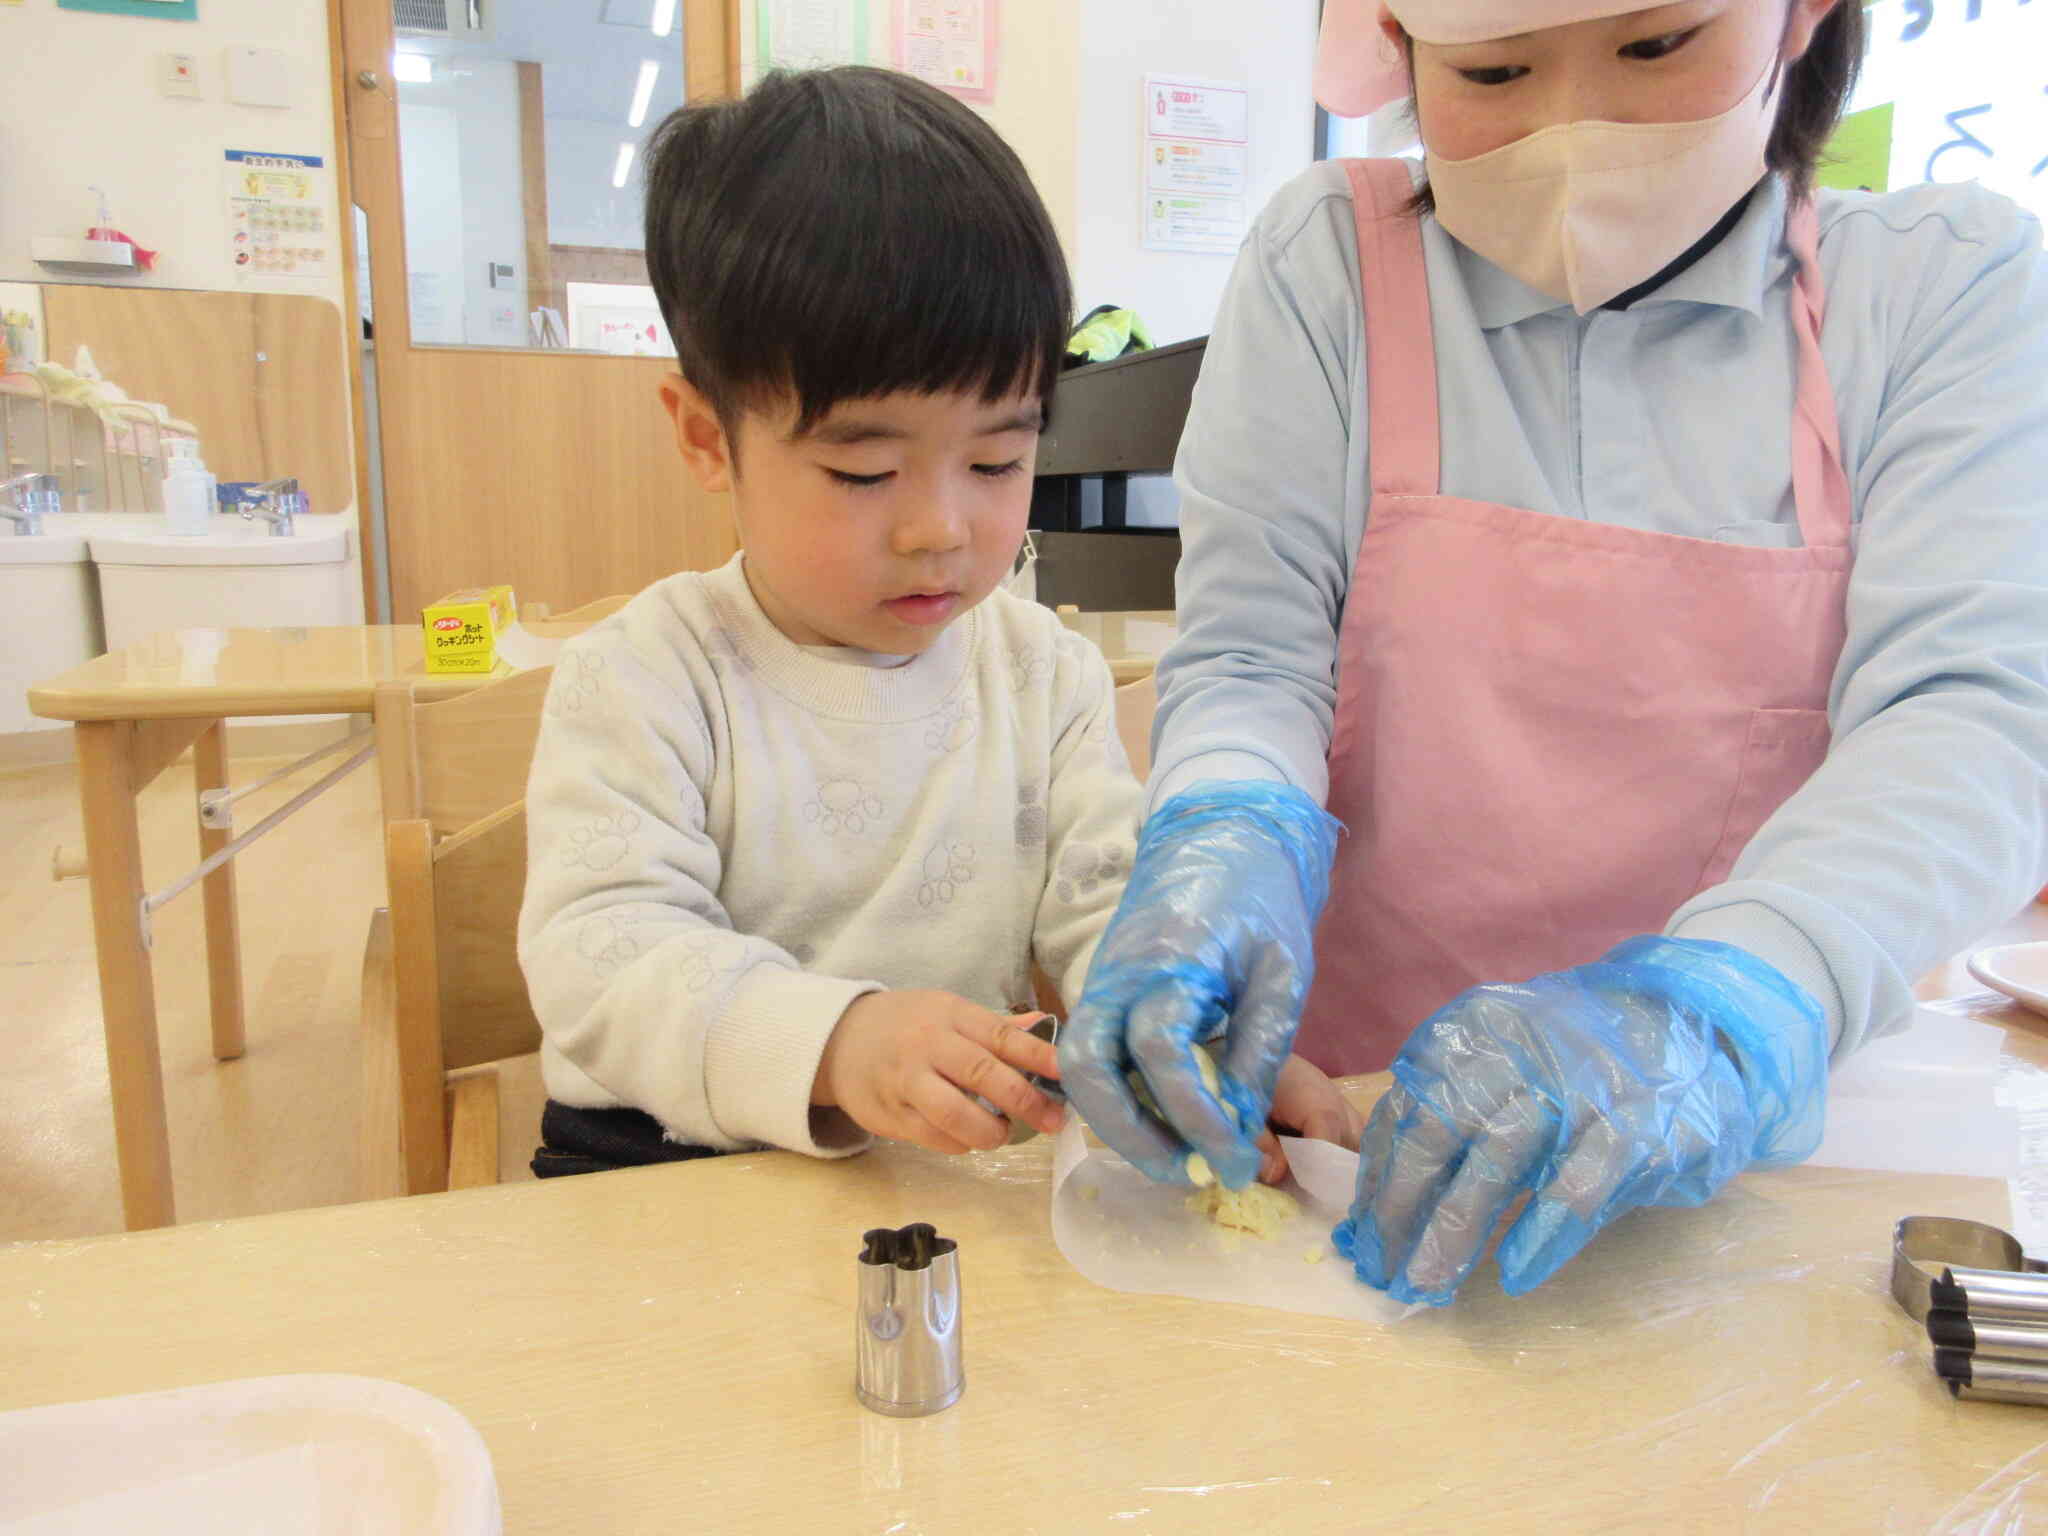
point(163, 10)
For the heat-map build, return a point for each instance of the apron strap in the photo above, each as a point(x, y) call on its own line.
point(1400, 343)
point(1820, 486)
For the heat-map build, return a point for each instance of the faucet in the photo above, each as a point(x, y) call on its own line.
point(35, 496)
point(277, 502)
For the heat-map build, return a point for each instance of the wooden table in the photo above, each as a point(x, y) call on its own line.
point(138, 709)
point(1132, 642)
point(671, 1349)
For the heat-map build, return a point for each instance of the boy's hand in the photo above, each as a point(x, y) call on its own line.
point(1306, 1103)
point(909, 1065)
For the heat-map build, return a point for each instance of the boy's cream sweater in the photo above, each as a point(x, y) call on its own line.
point(731, 838)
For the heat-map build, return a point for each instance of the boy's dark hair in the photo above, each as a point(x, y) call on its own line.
point(845, 233)
point(1816, 93)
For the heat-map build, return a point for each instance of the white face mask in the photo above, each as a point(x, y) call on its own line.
point(1585, 211)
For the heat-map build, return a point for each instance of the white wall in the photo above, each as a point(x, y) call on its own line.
point(1270, 47)
point(82, 107)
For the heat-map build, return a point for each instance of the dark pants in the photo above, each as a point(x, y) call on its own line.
point(597, 1140)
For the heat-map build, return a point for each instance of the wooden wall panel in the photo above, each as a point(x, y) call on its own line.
point(555, 472)
point(260, 375)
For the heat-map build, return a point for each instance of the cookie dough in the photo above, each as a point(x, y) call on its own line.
point(1257, 1210)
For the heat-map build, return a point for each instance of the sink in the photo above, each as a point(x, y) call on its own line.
point(41, 548)
point(125, 539)
point(239, 576)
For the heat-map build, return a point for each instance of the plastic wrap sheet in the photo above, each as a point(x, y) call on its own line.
point(1123, 1231)
point(1925, 1101)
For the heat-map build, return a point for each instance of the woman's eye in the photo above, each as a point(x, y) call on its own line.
point(1500, 75)
point(1659, 47)
point(859, 482)
point(998, 471)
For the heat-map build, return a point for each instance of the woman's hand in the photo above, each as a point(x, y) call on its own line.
point(1213, 944)
point(1649, 1078)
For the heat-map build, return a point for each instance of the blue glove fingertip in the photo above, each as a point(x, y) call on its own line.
point(1358, 1239)
point(1546, 1237)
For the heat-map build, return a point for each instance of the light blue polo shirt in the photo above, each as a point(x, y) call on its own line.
point(1928, 824)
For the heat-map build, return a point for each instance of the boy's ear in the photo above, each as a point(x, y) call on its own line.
point(700, 436)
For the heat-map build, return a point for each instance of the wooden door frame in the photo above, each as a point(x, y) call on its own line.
point(361, 39)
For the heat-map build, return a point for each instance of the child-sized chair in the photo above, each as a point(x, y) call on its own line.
point(442, 989)
point(587, 614)
point(1136, 703)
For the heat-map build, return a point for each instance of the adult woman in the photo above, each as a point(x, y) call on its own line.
point(1632, 545)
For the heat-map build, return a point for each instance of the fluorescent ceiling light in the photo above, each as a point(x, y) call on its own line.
point(643, 92)
point(625, 164)
point(412, 69)
point(664, 17)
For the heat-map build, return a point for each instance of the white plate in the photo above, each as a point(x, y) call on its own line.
point(307, 1455)
point(2020, 971)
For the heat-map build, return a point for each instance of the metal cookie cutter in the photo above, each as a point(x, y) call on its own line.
point(907, 1322)
point(1048, 1030)
point(1983, 1302)
point(1988, 1264)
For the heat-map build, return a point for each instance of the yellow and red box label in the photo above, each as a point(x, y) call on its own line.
point(462, 629)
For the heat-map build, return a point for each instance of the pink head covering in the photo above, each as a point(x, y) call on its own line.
point(1358, 68)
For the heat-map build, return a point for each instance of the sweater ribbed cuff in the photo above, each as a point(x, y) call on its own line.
point(761, 1057)
point(1228, 766)
point(1767, 934)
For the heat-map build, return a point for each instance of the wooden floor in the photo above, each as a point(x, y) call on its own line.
point(275, 1130)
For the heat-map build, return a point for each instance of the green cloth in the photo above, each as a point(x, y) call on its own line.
point(1107, 332)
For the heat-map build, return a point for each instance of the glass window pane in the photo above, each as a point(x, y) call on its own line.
point(522, 126)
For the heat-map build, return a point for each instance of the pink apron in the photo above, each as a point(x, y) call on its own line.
point(1549, 732)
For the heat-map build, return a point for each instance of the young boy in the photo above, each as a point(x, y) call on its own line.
point(799, 826)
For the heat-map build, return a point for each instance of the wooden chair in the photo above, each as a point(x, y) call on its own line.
point(1136, 703)
point(442, 989)
point(588, 614)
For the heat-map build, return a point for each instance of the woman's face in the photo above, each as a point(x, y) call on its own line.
point(1667, 64)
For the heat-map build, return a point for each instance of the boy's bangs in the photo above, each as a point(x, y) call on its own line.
point(865, 236)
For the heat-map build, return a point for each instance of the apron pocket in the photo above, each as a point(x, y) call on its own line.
point(1783, 748)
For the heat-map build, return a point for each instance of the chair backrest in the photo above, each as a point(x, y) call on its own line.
point(455, 762)
point(479, 878)
point(589, 613)
point(1136, 703)
point(454, 781)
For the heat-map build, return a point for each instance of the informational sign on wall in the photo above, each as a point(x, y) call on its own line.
point(277, 215)
point(1197, 164)
point(952, 43)
point(1967, 82)
point(809, 34)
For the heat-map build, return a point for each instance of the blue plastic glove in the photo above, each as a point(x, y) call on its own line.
point(1649, 1078)
point(1215, 936)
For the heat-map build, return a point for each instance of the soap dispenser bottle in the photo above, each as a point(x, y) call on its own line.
point(189, 490)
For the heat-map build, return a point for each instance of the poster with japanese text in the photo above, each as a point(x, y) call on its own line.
point(1197, 166)
point(809, 34)
point(954, 44)
point(278, 215)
